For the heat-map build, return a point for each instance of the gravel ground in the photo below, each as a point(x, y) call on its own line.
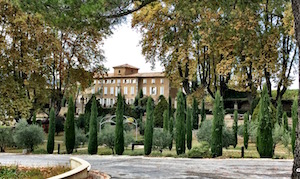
point(145, 167)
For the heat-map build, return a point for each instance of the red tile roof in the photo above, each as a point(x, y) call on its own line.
point(135, 75)
point(125, 66)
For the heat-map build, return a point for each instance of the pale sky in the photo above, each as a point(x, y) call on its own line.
point(123, 47)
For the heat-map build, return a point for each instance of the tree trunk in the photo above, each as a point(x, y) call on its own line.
point(296, 12)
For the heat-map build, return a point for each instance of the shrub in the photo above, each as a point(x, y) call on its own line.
point(28, 136)
point(180, 126)
point(107, 137)
point(161, 139)
point(128, 139)
point(80, 121)
point(203, 113)
point(51, 132)
point(149, 127)
point(70, 127)
point(80, 137)
point(119, 130)
point(59, 124)
point(93, 144)
point(158, 112)
point(240, 131)
point(202, 150)
point(6, 139)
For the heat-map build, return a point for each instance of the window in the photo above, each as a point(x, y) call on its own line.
point(133, 81)
point(124, 81)
point(104, 102)
point(99, 89)
point(132, 90)
point(125, 90)
point(153, 90)
point(118, 81)
point(111, 102)
point(99, 81)
point(105, 90)
point(161, 90)
point(95, 81)
point(144, 90)
point(116, 92)
point(144, 81)
point(113, 81)
point(119, 71)
point(153, 81)
point(161, 81)
point(111, 90)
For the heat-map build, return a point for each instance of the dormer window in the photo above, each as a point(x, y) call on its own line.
point(119, 71)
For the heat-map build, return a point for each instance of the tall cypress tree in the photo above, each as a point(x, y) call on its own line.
point(295, 121)
point(171, 123)
point(217, 126)
point(285, 121)
point(180, 127)
point(189, 132)
point(235, 128)
point(264, 132)
point(93, 142)
point(166, 120)
point(149, 127)
point(70, 127)
point(246, 124)
point(195, 111)
point(51, 132)
point(34, 118)
point(119, 133)
point(279, 112)
point(203, 113)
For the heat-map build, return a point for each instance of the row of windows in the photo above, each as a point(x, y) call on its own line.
point(110, 102)
point(116, 90)
point(126, 81)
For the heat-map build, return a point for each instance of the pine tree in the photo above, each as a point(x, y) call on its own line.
point(217, 127)
point(235, 128)
point(70, 127)
point(279, 112)
point(180, 127)
point(149, 127)
point(119, 132)
point(264, 131)
point(34, 118)
point(166, 120)
point(203, 113)
point(51, 132)
point(195, 114)
point(285, 121)
point(93, 142)
point(189, 132)
point(246, 124)
point(295, 121)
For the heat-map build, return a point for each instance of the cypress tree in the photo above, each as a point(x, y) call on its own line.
point(166, 120)
point(87, 122)
point(70, 127)
point(217, 126)
point(295, 121)
point(279, 112)
point(203, 113)
point(235, 128)
point(93, 142)
point(171, 126)
point(189, 132)
point(180, 127)
point(285, 121)
point(34, 118)
point(195, 114)
point(51, 132)
point(246, 135)
point(264, 131)
point(119, 133)
point(149, 127)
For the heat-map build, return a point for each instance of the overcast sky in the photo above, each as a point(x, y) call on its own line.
point(123, 47)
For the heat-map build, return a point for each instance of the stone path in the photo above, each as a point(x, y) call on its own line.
point(145, 167)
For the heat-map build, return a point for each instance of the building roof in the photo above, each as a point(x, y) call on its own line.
point(125, 66)
point(135, 75)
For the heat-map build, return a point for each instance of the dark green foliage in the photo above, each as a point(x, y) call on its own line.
point(80, 121)
point(87, 122)
point(70, 127)
point(93, 144)
point(166, 120)
point(149, 128)
point(28, 136)
point(279, 112)
point(235, 128)
point(171, 126)
point(189, 132)
point(195, 112)
point(295, 121)
point(161, 139)
point(254, 104)
point(159, 110)
point(203, 113)
point(285, 121)
point(88, 106)
point(141, 125)
point(141, 95)
point(119, 131)
point(51, 132)
point(217, 126)
point(255, 114)
point(180, 124)
point(34, 118)
point(264, 140)
point(246, 135)
point(200, 151)
point(59, 124)
point(6, 138)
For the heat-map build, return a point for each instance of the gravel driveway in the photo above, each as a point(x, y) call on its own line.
point(145, 167)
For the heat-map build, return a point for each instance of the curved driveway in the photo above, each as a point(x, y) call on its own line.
point(145, 167)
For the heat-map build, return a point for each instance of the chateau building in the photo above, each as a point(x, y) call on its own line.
point(128, 81)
